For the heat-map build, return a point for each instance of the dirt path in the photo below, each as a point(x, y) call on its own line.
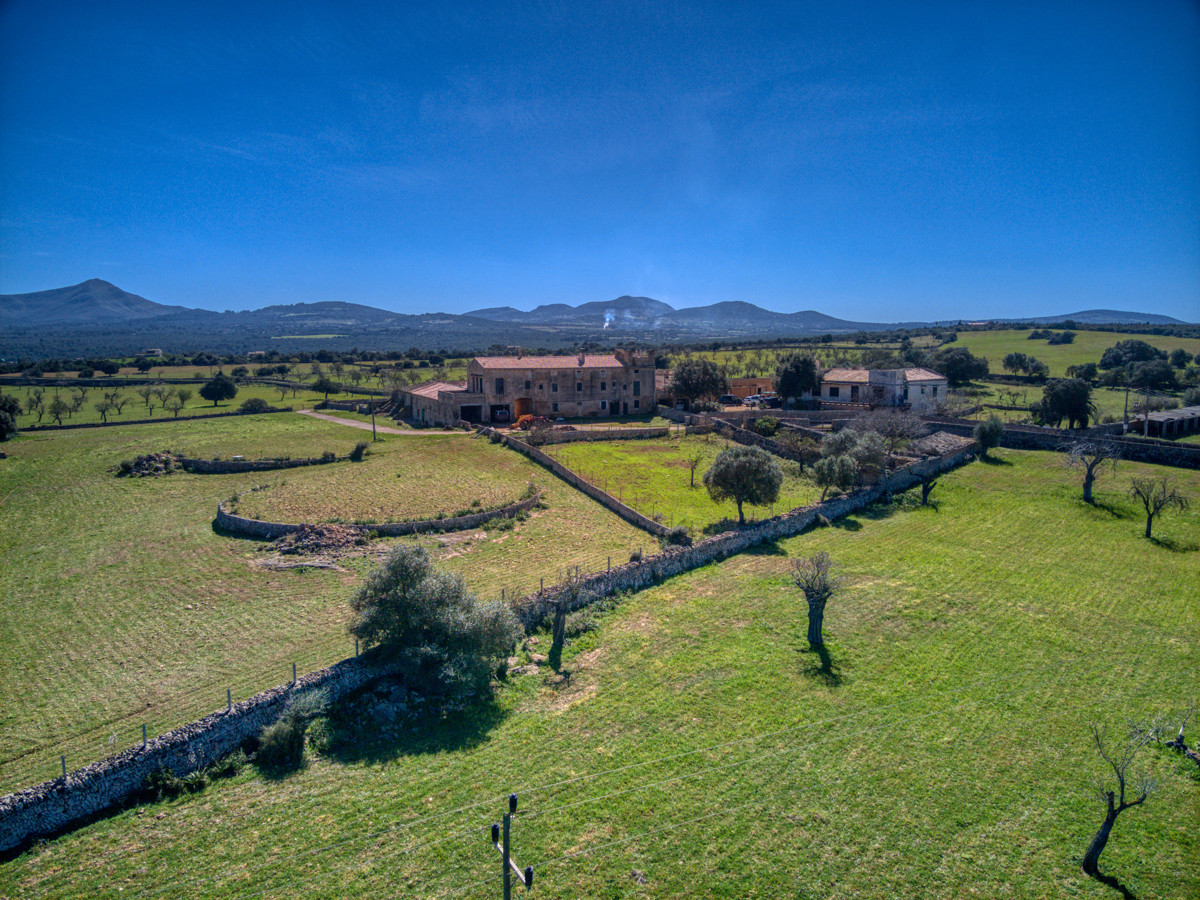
point(381, 429)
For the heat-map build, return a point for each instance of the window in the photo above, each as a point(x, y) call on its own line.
point(604, 385)
point(528, 385)
point(624, 387)
point(834, 392)
point(554, 406)
point(637, 389)
point(554, 388)
point(541, 387)
point(636, 403)
point(935, 390)
point(604, 404)
point(499, 385)
point(578, 386)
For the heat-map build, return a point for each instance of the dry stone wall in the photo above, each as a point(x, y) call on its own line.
point(628, 513)
point(234, 412)
point(234, 466)
point(235, 524)
point(52, 806)
point(533, 609)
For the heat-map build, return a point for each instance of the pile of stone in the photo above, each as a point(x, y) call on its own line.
point(150, 465)
point(311, 539)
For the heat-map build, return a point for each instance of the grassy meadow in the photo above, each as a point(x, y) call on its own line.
point(938, 749)
point(1088, 346)
point(652, 476)
point(123, 606)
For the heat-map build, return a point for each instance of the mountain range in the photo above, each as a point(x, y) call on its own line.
point(97, 318)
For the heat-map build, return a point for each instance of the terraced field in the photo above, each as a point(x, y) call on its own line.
point(939, 749)
point(122, 606)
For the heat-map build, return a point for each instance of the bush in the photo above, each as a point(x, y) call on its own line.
point(989, 434)
point(281, 745)
point(1191, 397)
point(765, 426)
point(635, 556)
point(677, 537)
point(255, 405)
point(359, 451)
point(328, 456)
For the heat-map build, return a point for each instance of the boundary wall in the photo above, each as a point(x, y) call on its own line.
point(52, 806)
point(48, 808)
point(258, 528)
point(234, 466)
point(628, 513)
point(531, 610)
point(1031, 437)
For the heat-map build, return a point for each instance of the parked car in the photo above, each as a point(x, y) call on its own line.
point(753, 400)
point(770, 400)
point(729, 400)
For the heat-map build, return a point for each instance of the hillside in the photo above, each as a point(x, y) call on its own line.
point(94, 302)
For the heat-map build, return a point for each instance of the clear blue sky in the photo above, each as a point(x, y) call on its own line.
point(877, 161)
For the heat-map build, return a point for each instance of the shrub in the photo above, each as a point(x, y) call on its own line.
point(254, 405)
point(677, 537)
point(328, 456)
point(281, 745)
point(359, 451)
point(765, 426)
point(635, 556)
point(1192, 397)
point(989, 434)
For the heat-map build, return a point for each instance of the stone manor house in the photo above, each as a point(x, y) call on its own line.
point(501, 389)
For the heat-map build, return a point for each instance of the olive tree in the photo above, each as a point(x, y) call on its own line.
point(697, 379)
point(989, 434)
point(837, 472)
point(443, 638)
point(814, 576)
point(744, 475)
point(1157, 494)
point(221, 387)
point(1093, 457)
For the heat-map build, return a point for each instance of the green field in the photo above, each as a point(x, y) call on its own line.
point(1110, 402)
point(417, 477)
point(1088, 346)
point(700, 749)
point(136, 409)
point(652, 476)
point(123, 606)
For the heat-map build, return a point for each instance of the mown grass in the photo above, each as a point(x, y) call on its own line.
point(122, 605)
point(653, 477)
point(1088, 346)
point(939, 749)
point(417, 477)
point(136, 409)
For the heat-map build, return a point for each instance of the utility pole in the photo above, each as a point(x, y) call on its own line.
point(507, 864)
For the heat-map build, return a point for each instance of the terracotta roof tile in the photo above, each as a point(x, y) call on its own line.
point(922, 375)
point(856, 376)
point(547, 362)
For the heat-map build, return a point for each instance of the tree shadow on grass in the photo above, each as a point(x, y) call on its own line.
point(1175, 546)
point(359, 742)
point(766, 548)
point(820, 665)
point(1116, 885)
point(1115, 511)
point(994, 461)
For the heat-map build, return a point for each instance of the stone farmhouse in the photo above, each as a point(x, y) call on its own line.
point(920, 390)
point(501, 389)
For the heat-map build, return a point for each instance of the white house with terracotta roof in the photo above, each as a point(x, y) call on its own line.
point(920, 390)
point(501, 389)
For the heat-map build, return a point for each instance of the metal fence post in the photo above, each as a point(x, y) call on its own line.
point(63, 758)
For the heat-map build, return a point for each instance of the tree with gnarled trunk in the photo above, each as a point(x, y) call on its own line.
point(1157, 495)
point(1092, 457)
point(1115, 800)
point(814, 576)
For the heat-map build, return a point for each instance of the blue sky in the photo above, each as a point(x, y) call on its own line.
point(876, 161)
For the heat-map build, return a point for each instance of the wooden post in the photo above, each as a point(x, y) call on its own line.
point(143, 735)
point(64, 765)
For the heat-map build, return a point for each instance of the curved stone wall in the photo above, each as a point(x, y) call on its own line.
point(259, 528)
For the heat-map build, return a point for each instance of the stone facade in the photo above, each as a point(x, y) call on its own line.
point(920, 390)
point(501, 389)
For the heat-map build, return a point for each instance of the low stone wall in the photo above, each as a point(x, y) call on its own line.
point(234, 466)
point(751, 439)
point(354, 405)
point(51, 806)
point(232, 412)
point(628, 513)
point(1031, 437)
point(258, 528)
point(533, 609)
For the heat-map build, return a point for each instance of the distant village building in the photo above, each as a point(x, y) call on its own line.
point(748, 387)
point(920, 390)
point(501, 389)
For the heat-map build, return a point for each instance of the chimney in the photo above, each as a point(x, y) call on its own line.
point(582, 360)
